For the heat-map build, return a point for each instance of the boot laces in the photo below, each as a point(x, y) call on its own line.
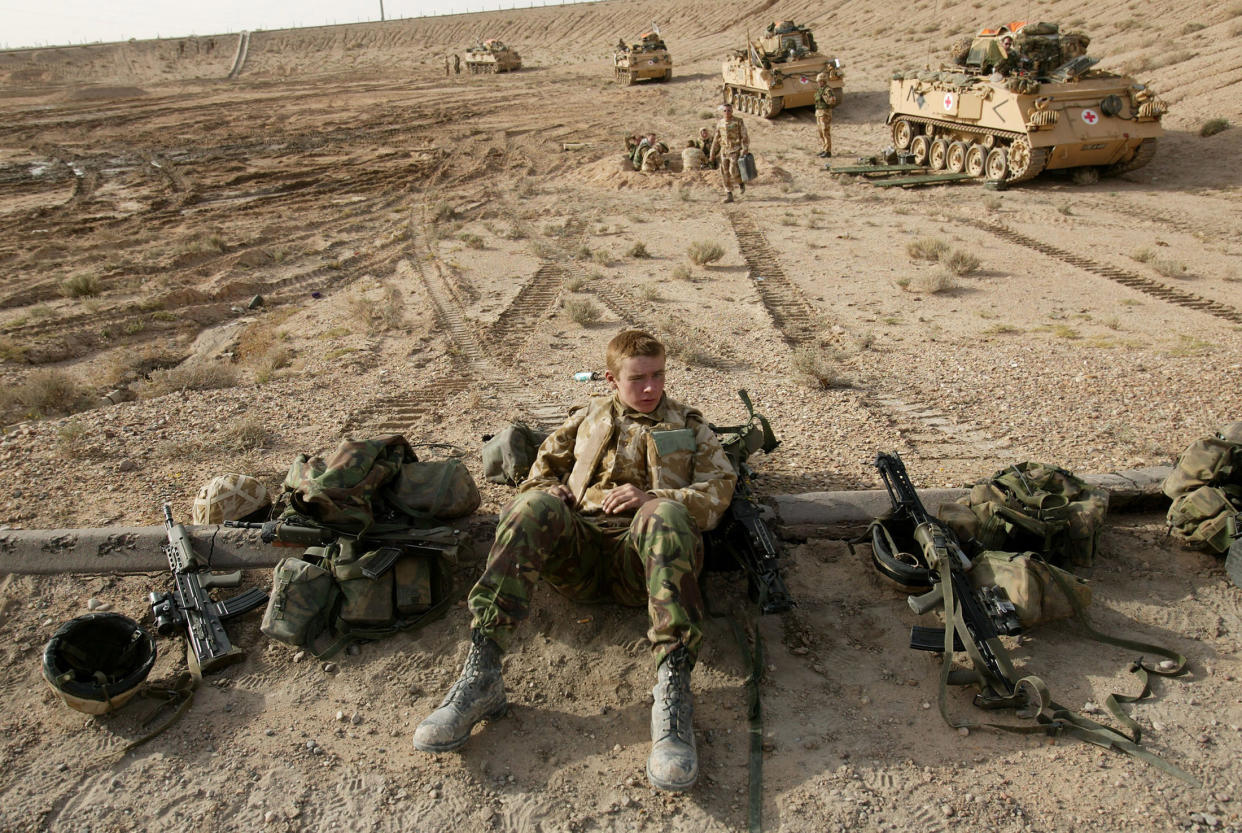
point(673, 698)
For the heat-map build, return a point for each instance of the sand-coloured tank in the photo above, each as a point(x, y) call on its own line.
point(646, 59)
point(777, 70)
point(1021, 99)
point(492, 56)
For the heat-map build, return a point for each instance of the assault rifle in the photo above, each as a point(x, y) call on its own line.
point(189, 606)
point(974, 618)
point(390, 546)
point(742, 533)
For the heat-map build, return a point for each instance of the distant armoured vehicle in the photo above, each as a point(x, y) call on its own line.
point(777, 71)
point(1024, 98)
point(646, 59)
point(492, 56)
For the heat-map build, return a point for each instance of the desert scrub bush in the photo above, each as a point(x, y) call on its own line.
point(813, 368)
point(266, 365)
point(927, 248)
point(993, 203)
point(683, 345)
point(1191, 28)
point(575, 282)
point(1002, 330)
point(246, 433)
point(11, 351)
point(650, 292)
point(602, 256)
point(942, 280)
point(474, 241)
point(682, 273)
point(582, 311)
point(703, 252)
point(639, 250)
point(960, 262)
point(1169, 268)
point(192, 376)
point(1213, 126)
point(1143, 256)
point(44, 393)
point(80, 286)
point(517, 231)
point(1066, 208)
point(440, 212)
point(542, 249)
point(557, 229)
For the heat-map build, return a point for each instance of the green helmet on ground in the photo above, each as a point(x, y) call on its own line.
point(96, 662)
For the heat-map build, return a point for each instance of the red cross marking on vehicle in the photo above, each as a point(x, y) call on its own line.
point(948, 101)
point(1090, 116)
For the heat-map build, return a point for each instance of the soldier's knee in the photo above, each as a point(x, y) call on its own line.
point(671, 513)
point(533, 504)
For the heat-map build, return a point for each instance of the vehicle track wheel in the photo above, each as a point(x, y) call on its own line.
point(919, 149)
point(976, 160)
point(956, 159)
point(997, 165)
point(668, 75)
point(903, 134)
point(937, 155)
point(1025, 161)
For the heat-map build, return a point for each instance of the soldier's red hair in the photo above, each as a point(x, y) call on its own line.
point(629, 343)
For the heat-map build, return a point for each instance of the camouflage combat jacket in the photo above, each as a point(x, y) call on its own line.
point(730, 137)
point(825, 98)
point(669, 453)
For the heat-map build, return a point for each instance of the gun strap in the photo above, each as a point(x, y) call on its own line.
point(1032, 698)
point(180, 693)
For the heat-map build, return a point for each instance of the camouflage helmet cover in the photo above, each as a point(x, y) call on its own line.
point(229, 497)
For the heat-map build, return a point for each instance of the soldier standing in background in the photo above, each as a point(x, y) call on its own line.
point(446, 66)
point(825, 100)
point(613, 509)
point(456, 64)
point(730, 142)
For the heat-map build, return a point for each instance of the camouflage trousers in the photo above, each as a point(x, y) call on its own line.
point(823, 120)
point(655, 561)
point(728, 169)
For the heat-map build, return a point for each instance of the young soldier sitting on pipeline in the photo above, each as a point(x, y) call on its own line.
point(613, 509)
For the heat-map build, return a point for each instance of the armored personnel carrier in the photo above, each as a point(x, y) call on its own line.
point(1024, 98)
point(492, 56)
point(646, 59)
point(777, 71)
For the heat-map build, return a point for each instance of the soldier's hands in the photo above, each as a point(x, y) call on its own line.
point(562, 491)
point(625, 498)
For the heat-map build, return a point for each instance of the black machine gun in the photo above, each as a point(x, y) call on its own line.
point(189, 606)
point(974, 618)
point(742, 534)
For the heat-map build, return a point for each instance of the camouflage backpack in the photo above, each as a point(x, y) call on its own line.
point(509, 454)
point(1206, 489)
point(1032, 507)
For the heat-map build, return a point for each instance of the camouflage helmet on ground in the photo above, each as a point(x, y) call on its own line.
point(229, 497)
point(96, 662)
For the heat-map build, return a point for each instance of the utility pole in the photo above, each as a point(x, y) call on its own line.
point(381, 11)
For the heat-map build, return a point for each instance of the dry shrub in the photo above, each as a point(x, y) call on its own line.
point(639, 250)
point(1213, 126)
point(1144, 255)
point(474, 241)
point(80, 286)
point(1169, 268)
point(11, 351)
point(683, 273)
point(650, 292)
point(812, 368)
point(927, 248)
point(582, 311)
point(266, 366)
point(939, 281)
point(575, 282)
point(379, 315)
point(703, 252)
point(44, 393)
point(960, 262)
point(194, 376)
point(126, 366)
point(683, 345)
point(243, 434)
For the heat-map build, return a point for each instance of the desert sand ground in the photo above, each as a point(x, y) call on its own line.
point(437, 255)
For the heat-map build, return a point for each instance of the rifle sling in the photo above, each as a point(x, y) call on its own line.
point(1033, 700)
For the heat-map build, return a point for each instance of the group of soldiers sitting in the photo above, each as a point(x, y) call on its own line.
point(646, 153)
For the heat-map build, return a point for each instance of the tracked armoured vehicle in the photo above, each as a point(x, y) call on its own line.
point(648, 58)
point(777, 71)
point(1021, 99)
point(492, 56)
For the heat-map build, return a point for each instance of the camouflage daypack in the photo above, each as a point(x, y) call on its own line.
point(1206, 489)
point(509, 454)
point(1032, 507)
point(382, 477)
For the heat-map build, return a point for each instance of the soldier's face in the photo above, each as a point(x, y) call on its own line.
point(639, 382)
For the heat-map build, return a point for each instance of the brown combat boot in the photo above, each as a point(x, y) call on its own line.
point(728, 197)
point(479, 693)
point(674, 762)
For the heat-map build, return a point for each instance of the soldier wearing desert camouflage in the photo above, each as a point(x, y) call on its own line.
point(729, 143)
point(613, 509)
